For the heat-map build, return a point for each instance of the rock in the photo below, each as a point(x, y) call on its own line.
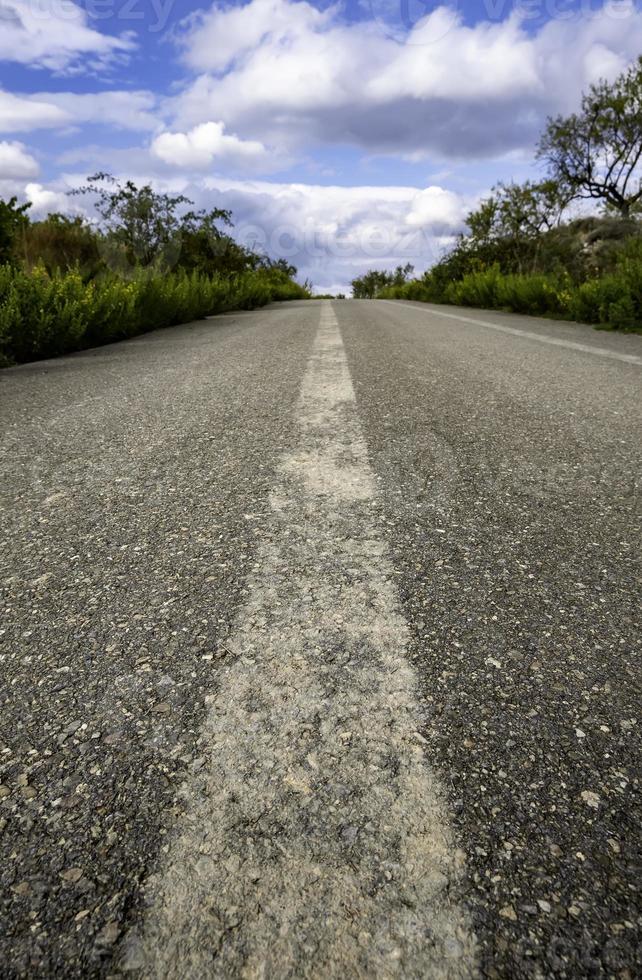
point(108, 934)
point(71, 875)
point(591, 799)
point(508, 912)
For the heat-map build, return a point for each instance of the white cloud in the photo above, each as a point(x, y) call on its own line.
point(20, 115)
point(212, 40)
point(334, 233)
point(135, 110)
point(435, 207)
point(54, 34)
point(203, 146)
point(45, 200)
point(285, 72)
point(15, 162)
point(121, 109)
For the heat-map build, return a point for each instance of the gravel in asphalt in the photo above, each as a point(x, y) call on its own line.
point(136, 503)
point(315, 841)
point(134, 487)
point(510, 475)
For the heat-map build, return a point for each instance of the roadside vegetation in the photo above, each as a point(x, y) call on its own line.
point(521, 252)
point(151, 261)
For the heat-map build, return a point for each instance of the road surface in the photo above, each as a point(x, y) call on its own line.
point(320, 650)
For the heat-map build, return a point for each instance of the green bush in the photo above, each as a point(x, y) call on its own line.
point(589, 271)
point(611, 301)
point(44, 314)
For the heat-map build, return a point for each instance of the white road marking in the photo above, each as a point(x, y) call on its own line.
point(315, 842)
point(530, 334)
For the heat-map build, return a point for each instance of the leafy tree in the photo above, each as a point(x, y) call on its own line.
point(402, 274)
point(596, 153)
point(143, 227)
point(507, 227)
point(370, 285)
point(529, 209)
point(282, 267)
point(13, 221)
point(142, 223)
point(206, 248)
point(482, 224)
point(517, 212)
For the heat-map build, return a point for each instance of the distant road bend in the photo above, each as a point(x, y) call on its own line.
point(320, 650)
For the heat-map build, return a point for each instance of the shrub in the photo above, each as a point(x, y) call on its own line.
point(44, 314)
point(60, 244)
point(612, 300)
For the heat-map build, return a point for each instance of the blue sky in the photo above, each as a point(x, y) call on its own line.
point(343, 136)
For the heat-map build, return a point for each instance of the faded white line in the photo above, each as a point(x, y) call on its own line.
point(315, 842)
point(531, 335)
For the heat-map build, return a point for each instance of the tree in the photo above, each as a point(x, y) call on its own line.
point(141, 223)
point(370, 285)
point(596, 153)
point(508, 226)
point(13, 221)
point(207, 248)
point(402, 274)
point(517, 212)
point(281, 267)
point(373, 282)
point(527, 210)
point(482, 224)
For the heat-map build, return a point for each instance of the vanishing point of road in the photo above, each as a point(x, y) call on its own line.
point(320, 641)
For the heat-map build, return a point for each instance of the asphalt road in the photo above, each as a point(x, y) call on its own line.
point(163, 497)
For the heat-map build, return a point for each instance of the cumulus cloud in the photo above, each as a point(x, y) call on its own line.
point(284, 69)
point(436, 208)
point(47, 200)
point(203, 146)
point(54, 35)
point(20, 115)
point(334, 233)
point(133, 110)
point(15, 162)
point(212, 40)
